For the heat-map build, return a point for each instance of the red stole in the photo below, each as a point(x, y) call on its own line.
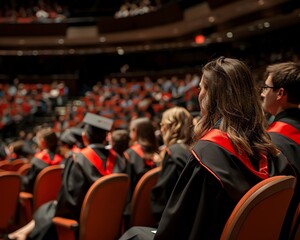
point(45, 157)
point(286, 130)
point(137, 148)
point(92, 156)
point(221, 138)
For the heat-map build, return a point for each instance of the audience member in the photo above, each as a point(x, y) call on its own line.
point(119, 140)
point(176, 129)
point(232, 152)
point(71, 141)
point(47, 156)
point(140, 156)
point(281, 98)
point(16, 150)
point(93, 162)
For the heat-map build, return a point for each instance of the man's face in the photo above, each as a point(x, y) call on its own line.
point(269, 97)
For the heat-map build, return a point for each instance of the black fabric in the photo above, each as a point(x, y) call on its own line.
point(79, 174)
point(173, 163)
point(292, 151)
point(37, 165)
point(203, 199)
point(135, 168)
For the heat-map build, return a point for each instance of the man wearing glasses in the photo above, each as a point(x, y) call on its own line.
point(281, 98)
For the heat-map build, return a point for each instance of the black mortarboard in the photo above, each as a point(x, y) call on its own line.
point(98, 121)
point(72, 136)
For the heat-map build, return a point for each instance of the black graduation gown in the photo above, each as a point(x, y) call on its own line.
point(173, 163)
point(79, 174)
point(136, 167)
point(285, 134)
point(40, 161)
point(284, 139)
point(208, 189)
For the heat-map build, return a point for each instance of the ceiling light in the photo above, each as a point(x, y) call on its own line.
point(102, 39)
point(229, 35)
point(266, 24)
point(211, 19)
point(120, 51)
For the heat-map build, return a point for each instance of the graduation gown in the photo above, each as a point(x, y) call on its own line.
point(136, 166)
point(211, 184)
point(285, 134)
point(40, 161)
point(79, 174)
point(173, 163)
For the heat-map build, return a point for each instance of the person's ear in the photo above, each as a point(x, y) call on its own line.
point(281, 93)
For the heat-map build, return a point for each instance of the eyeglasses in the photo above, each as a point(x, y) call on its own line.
point(264, 87)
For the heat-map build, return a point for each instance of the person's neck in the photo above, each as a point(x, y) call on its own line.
point(286, 106)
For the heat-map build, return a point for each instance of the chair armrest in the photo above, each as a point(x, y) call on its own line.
point(65, 222)
point(26, 195)
point(26, 204)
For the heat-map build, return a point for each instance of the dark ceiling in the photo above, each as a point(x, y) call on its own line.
point(92, 28)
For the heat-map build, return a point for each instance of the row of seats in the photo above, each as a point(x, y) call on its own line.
point(258, 215)
point(115, 189)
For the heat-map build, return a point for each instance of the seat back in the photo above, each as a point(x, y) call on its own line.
point(24, 169)
point(16, 164)
point(10, 185)
point(260, 212)
point(47, 185)
point(6, 165)
point(141, 212)
point(103, 206)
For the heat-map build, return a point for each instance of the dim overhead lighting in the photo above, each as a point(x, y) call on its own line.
point(229, 35)
point(211, 19)
point(102, 39)
point(20, 53)
point(35, 52)
point(120, 51)
point(266, 24)
point(61, 41)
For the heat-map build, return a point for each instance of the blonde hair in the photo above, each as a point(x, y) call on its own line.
point(179, 124)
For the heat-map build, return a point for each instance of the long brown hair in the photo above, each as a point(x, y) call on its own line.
point(233, 100)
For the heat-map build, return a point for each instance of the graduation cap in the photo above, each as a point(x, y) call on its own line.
point(98, 121)
point(72, 136)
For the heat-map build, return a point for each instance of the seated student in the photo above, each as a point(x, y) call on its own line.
point(47, 156)
point(281, 98)
point(140, 155)
point(93, 162)
point(16, 150)
point(71, 142)
point(176, 128)
point(232, 152)
point(119, 140)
